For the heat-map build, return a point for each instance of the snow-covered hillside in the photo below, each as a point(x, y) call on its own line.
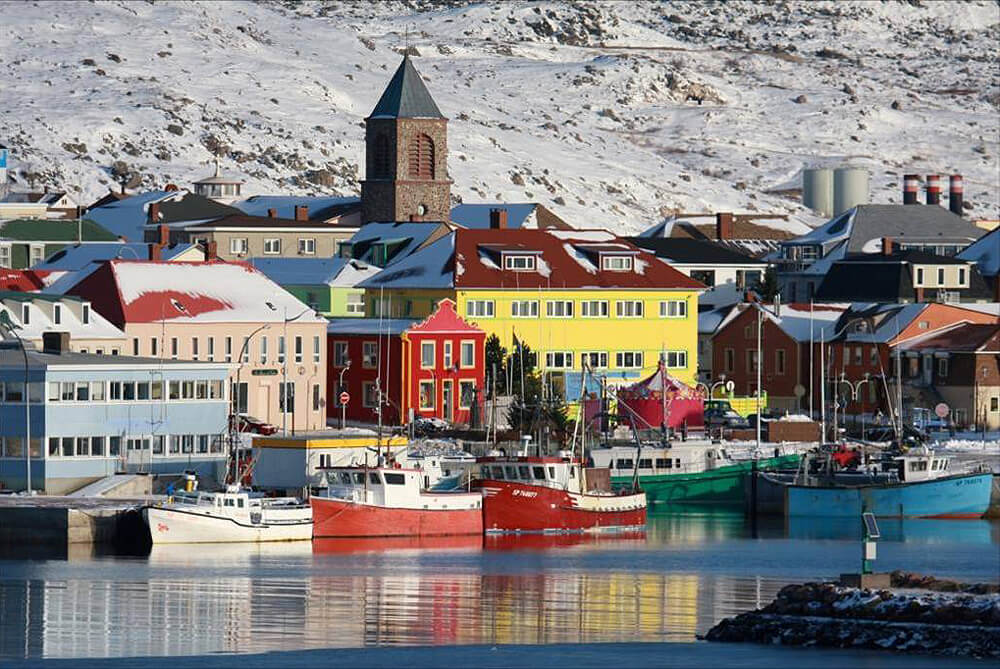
point(612, 114)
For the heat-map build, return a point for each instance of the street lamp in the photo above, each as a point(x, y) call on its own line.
point(855, 389)
point(12, 328)
point(284, 364)
point(340, 386)
point(720, 382)
point(234, 419)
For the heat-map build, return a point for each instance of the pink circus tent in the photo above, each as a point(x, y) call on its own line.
point(659, 400)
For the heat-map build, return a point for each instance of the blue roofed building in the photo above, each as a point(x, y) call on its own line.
point(985, 252)
point(327, 285)
point(344, 211)
point(527, 215)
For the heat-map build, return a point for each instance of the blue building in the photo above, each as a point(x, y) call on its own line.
point(97, 415)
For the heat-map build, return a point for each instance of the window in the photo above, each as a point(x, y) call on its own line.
point(4, 255)
point(943, 367)
point(25, 314)
point(628, 309)
point(676, 359)
point(479, 308)
point(466, 394)
point(873, 356)
point(369, 398)
point(859, 354)
point(524, 308)
point(203, 440)
point(307, 246)
point(961, 276)
point(356, 303)
point(298, 348)
point(940, 277)
point(153, 346)
point(97, 391)
point(559, 309)
point(239, 246)
point(995, 404)
point(751, 361)
point(369, 354)
point(920, 276)
point(316, 348)
point(340, 354)
point(446, 354)
point(594, 309)
point(286, 397)
point(316, 397)
point(427, 355)
point(281, 348)
point(427, 395)
point(420, 157)
point(263, 350)
point(245, 350)
point(468, 354)
point(595, 359)
point(194, 348)
point(616, 263)
point(173, 347)
point(272, 246)
point(85, 313)
point(673, 309)
point(135, 346)
point(779, 361)
point(229, 349)
point(847, 355)
point(211, 348)
point(628, 359)
point(97, 446)
point(559, 360)
point(519, 263)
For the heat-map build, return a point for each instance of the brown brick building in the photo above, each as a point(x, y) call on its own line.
point(406, 154)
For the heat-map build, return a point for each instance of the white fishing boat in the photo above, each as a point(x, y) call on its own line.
point(233, 516)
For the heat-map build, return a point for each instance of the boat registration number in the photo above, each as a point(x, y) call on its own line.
point(524, 493)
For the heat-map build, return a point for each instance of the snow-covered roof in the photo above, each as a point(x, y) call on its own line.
point(430, 267)
point(334, 272)
point(78, 256)
point(409, 236)
point(888, 320)
point(798, 320)
point(985, 252)
point(126, 218)
point(320, 207)
point(519, 215)
point(709, 321)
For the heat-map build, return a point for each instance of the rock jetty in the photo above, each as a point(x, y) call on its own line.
point(960, 622)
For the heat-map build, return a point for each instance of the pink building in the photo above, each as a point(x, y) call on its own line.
point(221, 311)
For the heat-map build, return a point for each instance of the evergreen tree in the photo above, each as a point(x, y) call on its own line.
point(768, 288)
point(496, 354)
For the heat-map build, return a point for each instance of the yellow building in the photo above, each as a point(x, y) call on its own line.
point(569, 295)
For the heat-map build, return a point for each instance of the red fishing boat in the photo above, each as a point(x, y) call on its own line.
point(390, 502)
point(553, 494)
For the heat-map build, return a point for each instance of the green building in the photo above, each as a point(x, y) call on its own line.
point(26, 242)
point(328, 285)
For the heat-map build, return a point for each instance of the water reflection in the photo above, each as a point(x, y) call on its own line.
point(669, 583)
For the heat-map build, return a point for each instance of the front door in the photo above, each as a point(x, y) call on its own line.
point(447, 400)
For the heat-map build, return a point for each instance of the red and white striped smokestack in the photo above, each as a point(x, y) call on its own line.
point(934, 189)
point(911, 183)
point(955, 194)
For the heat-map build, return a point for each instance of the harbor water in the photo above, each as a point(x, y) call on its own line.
point(667, 586)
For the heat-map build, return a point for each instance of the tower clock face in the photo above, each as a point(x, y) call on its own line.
point(421, 209)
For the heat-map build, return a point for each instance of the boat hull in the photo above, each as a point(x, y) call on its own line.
point(346, 518)
point(173, 526)
point(510, 506)
point(962, 496)
point(723, 485)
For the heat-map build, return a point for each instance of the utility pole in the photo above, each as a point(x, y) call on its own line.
point(822, 387)
point(759, 365)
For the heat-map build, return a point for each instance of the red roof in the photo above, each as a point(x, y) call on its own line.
point(964, 338)
point(564, 259)
point(444, 320)
point(22, 281)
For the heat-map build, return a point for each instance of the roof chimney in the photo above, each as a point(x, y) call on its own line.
point(724, 228)
point(301, 212)
point(272, 213)
point(933, 189)
point(211, 251)
point(887, 246)
point(498, 219)
point(155, 252)
point(911, 182)
point(164, 236)
point(55, 342)
point(955, 194)
point(154, 212)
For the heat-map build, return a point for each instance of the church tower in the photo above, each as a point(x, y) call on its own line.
point(406, 154)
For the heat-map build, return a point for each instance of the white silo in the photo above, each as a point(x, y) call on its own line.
point(817, 189)
point(850, 188)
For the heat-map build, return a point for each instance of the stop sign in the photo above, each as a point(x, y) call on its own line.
point(345, 397)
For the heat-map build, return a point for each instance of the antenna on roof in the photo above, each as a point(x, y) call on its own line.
point(218, 171)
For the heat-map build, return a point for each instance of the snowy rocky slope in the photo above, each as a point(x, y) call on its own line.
point(613, 114)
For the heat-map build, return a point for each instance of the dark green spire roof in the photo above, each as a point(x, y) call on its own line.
point(406, 96)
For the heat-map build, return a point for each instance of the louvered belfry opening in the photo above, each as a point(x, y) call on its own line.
point(421, 157)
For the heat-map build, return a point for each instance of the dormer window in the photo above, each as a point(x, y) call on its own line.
point(519, 263)
point(616, 263)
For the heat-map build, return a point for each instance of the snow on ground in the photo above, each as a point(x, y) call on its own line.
point(612, 114)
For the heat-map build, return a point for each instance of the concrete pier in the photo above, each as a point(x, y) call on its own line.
point(65, 521)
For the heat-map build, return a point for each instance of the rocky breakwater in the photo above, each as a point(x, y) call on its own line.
point(824, 614)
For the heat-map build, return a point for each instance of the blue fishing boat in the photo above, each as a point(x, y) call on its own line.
point(916, 484)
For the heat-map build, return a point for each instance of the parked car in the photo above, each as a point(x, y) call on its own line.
point(716, 417)
point(427, 426)
point(247, 423)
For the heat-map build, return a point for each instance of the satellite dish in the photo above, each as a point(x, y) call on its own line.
point(730, 386)
point(799, 390)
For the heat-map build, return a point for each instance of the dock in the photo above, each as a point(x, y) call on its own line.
point(64, 521)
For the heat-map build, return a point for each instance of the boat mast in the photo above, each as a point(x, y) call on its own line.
point(822, 386)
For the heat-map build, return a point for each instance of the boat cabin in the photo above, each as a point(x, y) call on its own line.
point(679, 459)
point(560, 471)
point(442, 471)
point(922, 465)
point(388, 487)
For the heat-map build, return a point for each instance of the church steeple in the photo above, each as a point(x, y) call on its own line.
point(406, 157)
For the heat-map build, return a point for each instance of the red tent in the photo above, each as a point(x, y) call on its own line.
point(660, 400)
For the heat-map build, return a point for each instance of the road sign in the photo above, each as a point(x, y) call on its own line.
point(730, 386)
point(264, 372)
point(344, 397)
point(942, 410)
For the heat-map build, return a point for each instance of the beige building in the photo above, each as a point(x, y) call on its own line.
point(33, 314)
point(222, 312)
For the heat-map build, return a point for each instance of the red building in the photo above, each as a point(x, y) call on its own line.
point(436, 367)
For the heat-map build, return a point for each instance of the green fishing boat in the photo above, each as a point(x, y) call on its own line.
point(688, 472)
